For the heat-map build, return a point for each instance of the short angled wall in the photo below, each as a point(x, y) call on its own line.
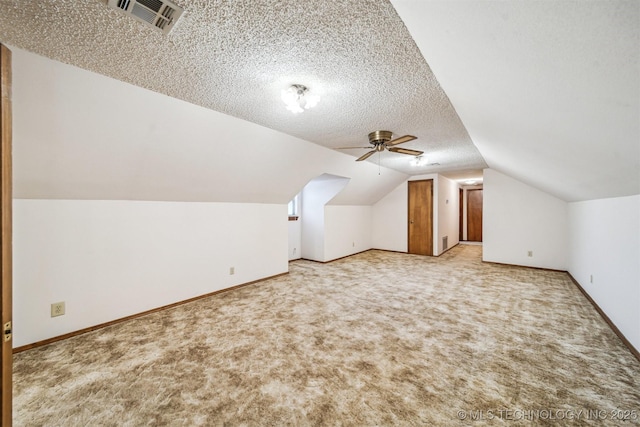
point(518, 219)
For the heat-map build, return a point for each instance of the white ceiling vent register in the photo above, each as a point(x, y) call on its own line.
point(159, 14)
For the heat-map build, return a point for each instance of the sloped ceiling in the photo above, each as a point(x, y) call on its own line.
point(546, 92)
point(235, 57)
point(549, 91)
point(79, 135)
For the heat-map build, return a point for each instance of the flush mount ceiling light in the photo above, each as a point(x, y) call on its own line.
point(297, 98)
point(420, 161)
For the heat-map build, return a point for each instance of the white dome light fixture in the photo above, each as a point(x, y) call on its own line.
point(297, 98)
point(420, 161)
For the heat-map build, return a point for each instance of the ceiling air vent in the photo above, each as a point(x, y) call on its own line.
point(159, 14)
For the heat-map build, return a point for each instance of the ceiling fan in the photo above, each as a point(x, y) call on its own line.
point(380, 140)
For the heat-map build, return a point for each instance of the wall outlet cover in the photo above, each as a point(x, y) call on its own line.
point(57, 309)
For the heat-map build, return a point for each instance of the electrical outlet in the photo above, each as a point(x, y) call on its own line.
point(353, 244)
point(232, 271)
point(591, 278)
point(57, 309)
point(530, 254)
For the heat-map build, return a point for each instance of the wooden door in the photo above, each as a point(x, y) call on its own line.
point(421, 217)
point(474, 215)
point(5, 239)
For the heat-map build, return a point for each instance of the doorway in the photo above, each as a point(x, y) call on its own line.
point(474, 215)
point(420, 221)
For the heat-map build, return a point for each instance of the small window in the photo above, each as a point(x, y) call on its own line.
point(292, 209)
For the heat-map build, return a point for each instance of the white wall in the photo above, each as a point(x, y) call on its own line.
point(295, 239)
point(518, 218)
point(448, 214)
point(389, 229)
point(110, 259)
point(604, 243)
point(347, 230)
point(389, 216)
point(81, 135)
point(332, 231)
point(315, 195)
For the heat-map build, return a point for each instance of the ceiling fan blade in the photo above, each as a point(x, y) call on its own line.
point(400, 140)
point(350, 148)
point(365, 156)
point(406, 151)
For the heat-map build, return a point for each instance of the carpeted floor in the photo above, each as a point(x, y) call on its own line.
point(378, 338)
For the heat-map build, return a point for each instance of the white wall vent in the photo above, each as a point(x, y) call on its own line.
point(445, 243)
point(159, 14)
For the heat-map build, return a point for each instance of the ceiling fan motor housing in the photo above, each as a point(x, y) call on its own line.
point(380, 137)
point(381, 140)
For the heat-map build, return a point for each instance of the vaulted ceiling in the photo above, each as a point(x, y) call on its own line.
point(546, 92)
point(549, 91)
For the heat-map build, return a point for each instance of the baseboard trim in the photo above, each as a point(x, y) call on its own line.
point(312, 260)
point(407, 253)
point(447, 250)
point(336, 259)
point(47, 341)
point(613, 327)
point(524, 266)
point(137, 315)
point(390, 250)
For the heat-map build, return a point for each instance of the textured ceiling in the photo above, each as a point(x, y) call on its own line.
point(236, 56)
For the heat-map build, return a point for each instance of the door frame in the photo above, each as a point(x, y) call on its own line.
point(431, 245)
point(6, 200)
point(460, 215)
point(470, 190)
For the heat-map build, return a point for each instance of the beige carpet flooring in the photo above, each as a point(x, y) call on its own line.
point(375, 339)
